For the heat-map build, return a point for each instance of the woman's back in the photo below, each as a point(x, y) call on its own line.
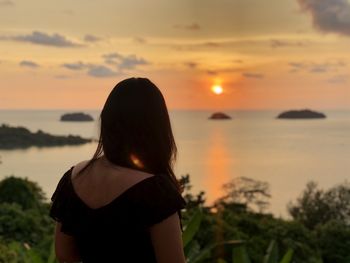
point(109, 210)
point(103, 182)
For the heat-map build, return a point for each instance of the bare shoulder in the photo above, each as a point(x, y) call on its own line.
point(121, 170)
point(138, 173)
point(79, 166)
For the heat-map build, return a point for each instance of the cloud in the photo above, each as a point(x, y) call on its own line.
point(276, 43)
point(338, 79)
point(123, 62)
point(40, 38)
point(100, 71)
point(321, 68)
point(29, 64)
point(68, 12)
point(238, 61)
point(191, 27)
point(6, 3)
point(253, 75)
point(140, 40)
point(91, 38)
point(118, 61)
point(93, 70)
point(75, 66)
point(212, 44)
point(240, 45)
point(297, 65)
point(191, 64)
point(131, 61)
point(332, 16)
point(62, 77)
point(312, 67)
point(212, 72)
point(112, 58)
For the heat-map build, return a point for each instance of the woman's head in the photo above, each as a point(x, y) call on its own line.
point(135, 128)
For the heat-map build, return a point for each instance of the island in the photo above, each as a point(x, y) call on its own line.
point(76, 116)
point(301, 114)
point(219, 116)
point(20, 138)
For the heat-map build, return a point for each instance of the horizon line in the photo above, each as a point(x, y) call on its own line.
point(180, 109)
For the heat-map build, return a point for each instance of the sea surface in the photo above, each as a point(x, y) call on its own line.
point(285, 153)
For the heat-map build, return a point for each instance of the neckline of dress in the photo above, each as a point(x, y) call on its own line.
point(114, 200)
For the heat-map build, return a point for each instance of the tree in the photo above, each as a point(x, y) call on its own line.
point(21, 191)
point(192, 200)
point(7, 255)
point(28, 226)
point(316, 206)
point(245, 193)
point(24, 217)
point(334, 242)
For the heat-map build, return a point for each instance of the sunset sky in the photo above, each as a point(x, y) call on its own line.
point(272, 54)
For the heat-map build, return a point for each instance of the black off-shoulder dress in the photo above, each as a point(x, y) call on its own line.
point(118, 231)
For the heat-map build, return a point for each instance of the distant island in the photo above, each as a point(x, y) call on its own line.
point(219, 116)
point(76, 116)
point(301, 114)
point(20, 138)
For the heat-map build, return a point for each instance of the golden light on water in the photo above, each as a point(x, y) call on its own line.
point(217, 89)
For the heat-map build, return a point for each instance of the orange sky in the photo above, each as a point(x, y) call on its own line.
point(265, 56)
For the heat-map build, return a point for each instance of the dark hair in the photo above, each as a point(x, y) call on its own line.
point(135, 123)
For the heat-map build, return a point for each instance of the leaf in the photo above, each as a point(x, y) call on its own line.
point(271, 253)
point(287, 258)
point(192, 250)
point(205, 252)
point(192, 227)
point(52, 256)
point(34, 257)
point(240, 255)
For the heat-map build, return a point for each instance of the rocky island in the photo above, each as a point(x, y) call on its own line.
point(301, 114)
point(219, 116)
point(20, 138)
point(76, 116)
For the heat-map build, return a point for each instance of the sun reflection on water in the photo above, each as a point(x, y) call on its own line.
point(218, 163)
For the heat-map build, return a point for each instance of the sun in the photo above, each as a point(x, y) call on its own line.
point(217, 89)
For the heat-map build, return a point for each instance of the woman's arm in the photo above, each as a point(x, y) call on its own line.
point(65, 247)
point(167, 240)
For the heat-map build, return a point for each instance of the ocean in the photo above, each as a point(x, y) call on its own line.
point(285, 153)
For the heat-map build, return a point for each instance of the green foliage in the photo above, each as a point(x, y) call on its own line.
point(271, 253)
point(193, 201)
point(192, 227)
point(234, 230)
point(7, 254)
point(248, 193)
point(316, 206)
point(16, 252)
point(334, 241)
point(25, 226)
point(21, 191)
point(287, 258)
point(240, 255)
point(17, 224)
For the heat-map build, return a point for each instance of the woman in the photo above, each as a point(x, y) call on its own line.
point(124, 204)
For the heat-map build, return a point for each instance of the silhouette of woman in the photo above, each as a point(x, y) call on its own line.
point(123, 205)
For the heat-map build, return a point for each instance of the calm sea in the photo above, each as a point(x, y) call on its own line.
point(285, 153)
